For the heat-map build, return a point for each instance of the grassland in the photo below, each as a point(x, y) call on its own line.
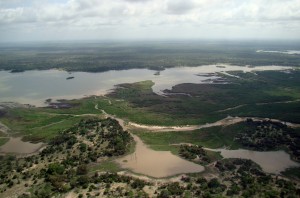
point(213, 137)
point(105, 166)
point(36, 125)
point(42, 124)
point(273, 94)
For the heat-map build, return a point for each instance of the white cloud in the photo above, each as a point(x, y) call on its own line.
point(96, 19)
point(180, 6)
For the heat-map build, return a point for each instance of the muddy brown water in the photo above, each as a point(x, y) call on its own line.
point(156, 164)
point(17, 146)
point(270, 161)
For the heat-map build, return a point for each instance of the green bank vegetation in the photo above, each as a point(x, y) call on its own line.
point(3, 140)
point(254, 135)
point(213, 137)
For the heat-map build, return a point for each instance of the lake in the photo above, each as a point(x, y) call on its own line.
point(34, 87)
point(17, 146)
point(156, 164)
point(270, 161)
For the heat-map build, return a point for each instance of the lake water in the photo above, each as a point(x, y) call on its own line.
point(156, 164)
point(34, 87)
point(16, 145)
point(270, 161)
point(291, 52)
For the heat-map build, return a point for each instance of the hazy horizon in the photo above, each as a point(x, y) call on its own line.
point(219, 41)
point(140, 20)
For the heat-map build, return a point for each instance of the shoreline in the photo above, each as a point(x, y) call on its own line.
point(159, 82)
point(220, 65)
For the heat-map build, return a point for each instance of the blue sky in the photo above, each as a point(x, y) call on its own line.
point(47, 20)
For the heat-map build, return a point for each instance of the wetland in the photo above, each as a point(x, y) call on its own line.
point(35, 87)
point(217, 123)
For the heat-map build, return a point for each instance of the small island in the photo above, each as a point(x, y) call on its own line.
point(69, 78)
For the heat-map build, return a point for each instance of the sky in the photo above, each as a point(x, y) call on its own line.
point(59, 20)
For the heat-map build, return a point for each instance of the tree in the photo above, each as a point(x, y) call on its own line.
point(82, 169)
point(55, 168)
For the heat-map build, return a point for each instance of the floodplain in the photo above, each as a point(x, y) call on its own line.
point(204, 126)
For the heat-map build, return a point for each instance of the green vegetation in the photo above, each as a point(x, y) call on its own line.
point(42, 124)
point(106, 166)
point(3, 140)
point(210, 102)
point(37, 125)
point(2, 134)
point(269, 135)
point(198, 154)
point(80, 154)
point(253, 135)
point(234, 177)
point(207, 103)
point(213, 137)
point(247, 180)
point(293, 173)
point(64, 163)
point(97, 57)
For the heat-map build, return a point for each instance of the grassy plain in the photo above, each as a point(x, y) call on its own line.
point(107, 166)
point(261, 95)
point(213, 137)
point(38, 124)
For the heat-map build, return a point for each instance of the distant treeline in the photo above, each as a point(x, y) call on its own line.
point(99, 57)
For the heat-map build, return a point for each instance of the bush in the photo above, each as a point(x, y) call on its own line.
point(55, 168)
